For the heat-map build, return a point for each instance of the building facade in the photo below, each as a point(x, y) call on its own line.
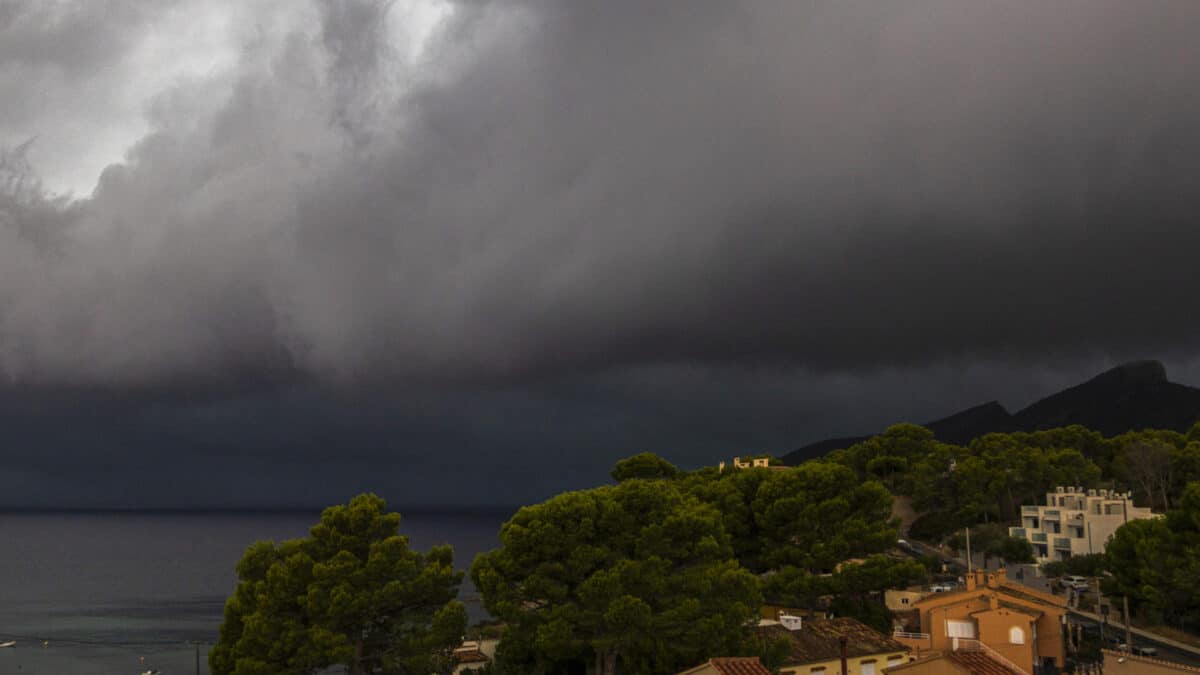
point(1013, 624)
point(1075, 522)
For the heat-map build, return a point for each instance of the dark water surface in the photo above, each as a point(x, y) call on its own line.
point(103, 591)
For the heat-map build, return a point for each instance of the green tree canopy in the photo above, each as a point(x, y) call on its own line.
point(645, 465)
point(856, 587)
point(814, 516)
point(350, 594)
point(639, 575)
point(1156, 562)
point(888, 456)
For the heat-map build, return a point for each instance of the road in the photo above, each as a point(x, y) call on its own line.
point(1168, 650)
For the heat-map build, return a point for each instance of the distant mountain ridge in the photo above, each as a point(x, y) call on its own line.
point(1132, 396)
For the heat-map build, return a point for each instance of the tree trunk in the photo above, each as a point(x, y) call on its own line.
point(356, 665)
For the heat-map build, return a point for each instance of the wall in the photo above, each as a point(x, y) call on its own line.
point(994, 627)
point(1140, 665)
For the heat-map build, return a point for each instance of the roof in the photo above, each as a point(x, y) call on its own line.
point(971, 662)
point(732, 665)
point(1033, 614)
point(739, 665)
point(1032, 594)
point(818, 640)
point(980, 663)
point(470, 657)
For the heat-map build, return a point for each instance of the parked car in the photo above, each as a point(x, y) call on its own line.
point(941, 588)
point(1074, 581)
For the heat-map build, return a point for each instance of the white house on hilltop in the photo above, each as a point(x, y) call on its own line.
point(1075, 522)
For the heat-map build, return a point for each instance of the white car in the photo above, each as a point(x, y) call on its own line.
point(1075, 581)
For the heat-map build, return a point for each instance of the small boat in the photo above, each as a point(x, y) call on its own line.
point(151, 672)
point(10, 643)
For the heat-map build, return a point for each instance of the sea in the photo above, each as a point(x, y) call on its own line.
point(123, 593)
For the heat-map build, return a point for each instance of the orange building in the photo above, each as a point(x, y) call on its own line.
point(1015, 625)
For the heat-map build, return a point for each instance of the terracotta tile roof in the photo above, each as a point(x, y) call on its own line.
point(470, 657)
point(979, 663)
point(739, 665)
point(818, 639)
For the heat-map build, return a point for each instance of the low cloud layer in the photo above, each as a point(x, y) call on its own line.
point(547, 191)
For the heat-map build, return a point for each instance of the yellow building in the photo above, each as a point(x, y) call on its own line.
point(815, 647)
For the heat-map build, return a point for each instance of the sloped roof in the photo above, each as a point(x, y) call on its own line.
point(739, 665)
point(818, 640)
point(979, 663)
point(1013, 607)
point(971, 662)
point(471, 657)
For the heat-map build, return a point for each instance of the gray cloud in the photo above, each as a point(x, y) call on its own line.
point(613, 195)
point(562, 186)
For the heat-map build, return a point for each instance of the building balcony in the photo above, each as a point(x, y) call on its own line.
point(1062, 543)
point(1050, 514)
point(1037, 537)
point(1016, 532)
point(1032, 510)
point(917, 642)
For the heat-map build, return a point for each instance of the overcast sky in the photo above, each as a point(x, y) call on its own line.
point(473, 252)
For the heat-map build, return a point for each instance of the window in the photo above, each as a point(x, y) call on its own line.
point(960, 629)
point(1016, 636)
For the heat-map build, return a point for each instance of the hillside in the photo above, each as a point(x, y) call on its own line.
point(1131, 396)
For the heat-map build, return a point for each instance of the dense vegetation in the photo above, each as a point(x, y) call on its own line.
point(1156, 563)
point(642, 574)
point(667, 567)
point(988, 479)
point(350, 594)
point(982, 485)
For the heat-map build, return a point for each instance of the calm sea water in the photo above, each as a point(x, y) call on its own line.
point(122, 593)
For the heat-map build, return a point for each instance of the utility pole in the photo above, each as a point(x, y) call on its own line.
point(968, 550)
point(197, 658)
point(1128, 630)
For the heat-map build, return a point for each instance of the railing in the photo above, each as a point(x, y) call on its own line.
point(1062, 542)
point(1016, 532)
point(1050, 513)
point(910, 636)
point(1039, 537)
point(973, 645)
point(1029, 509)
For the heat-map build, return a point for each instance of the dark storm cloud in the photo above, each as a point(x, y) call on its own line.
point(589, 185)
point(576, 230)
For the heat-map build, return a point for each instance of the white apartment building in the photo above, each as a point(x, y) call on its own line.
point(1075, 521)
